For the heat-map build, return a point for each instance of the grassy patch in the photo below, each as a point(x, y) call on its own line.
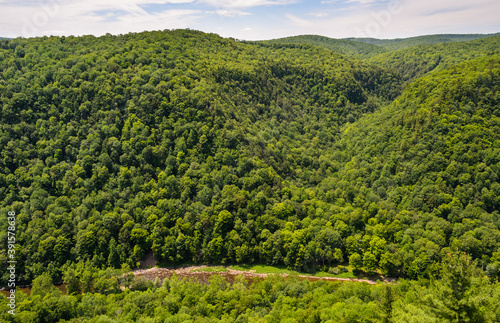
point(341, 275)
point(263, 269)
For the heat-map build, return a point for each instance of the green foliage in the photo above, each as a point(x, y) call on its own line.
point(278, 299)
point(350, 48)
point(401, 43)
point(201, 149)
point(42, 285)
point(414, 62)
point(356, 261)
point(459, 292)
point(426, 172)
point(461, 295)
point(177, 142)
point(141, 284)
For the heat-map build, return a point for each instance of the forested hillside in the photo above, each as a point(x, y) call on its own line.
point(461, 295)
point(425, 170)
point(183, 143)
point(201, 149)
point(401, 43)
point(412, 63)
point(350, 48)
point(412, 58)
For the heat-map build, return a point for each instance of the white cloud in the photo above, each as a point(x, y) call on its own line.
point(318, 14)
point(245, 3)
point(32, 18)
point(349, 1)
point(297, 21)
point(96, 17)
point(229, 13)
point(341, 18)
point(410, 18)
point(362, 1)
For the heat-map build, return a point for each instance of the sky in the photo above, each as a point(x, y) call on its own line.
point(250, 19)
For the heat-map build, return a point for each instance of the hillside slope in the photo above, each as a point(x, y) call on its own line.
point(401, 43)
point(412, 63)
point(178, 142)
point(202, 149)
point(350, 48)
point(425, 171)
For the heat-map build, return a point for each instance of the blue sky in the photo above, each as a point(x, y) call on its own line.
point(251, 19)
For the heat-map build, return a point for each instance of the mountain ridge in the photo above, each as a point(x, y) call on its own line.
point(399, 43)
point(373, 46)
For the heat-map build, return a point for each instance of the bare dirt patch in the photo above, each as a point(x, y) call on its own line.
point(193, 272)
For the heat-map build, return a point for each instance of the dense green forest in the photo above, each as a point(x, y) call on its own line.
point(412, 63)
point(119, 145)
point(355, 49)
point(461, 294)
point(363, 48)
point(202, 149)
point(400, 43)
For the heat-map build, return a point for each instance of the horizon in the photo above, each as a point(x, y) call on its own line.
point(251, 19)
point(493, 34)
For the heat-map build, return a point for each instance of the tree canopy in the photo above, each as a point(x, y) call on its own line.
point(201, 149)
